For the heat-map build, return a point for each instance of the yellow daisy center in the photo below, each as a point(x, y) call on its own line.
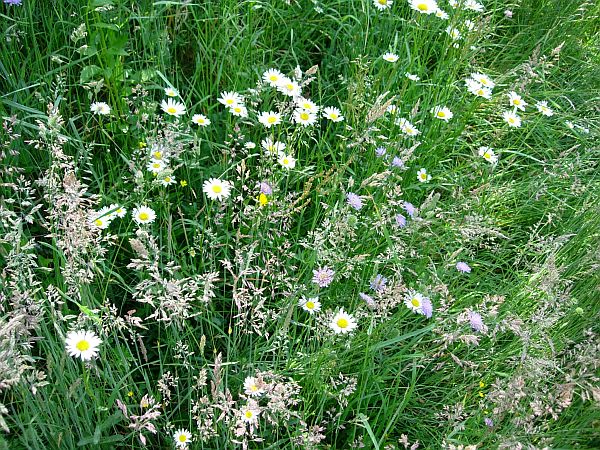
point(304, 116)
point(310, 305)
point(182, 438)
point(480, 92)
point(229, 101)
point(249, 414)
point(157, 155)
point(83, 345)
point(511, 119)
point(289, 87)
point(516, 101)
point(342, 323)
point(167, 179)
point(98, 222)
point(334, 116)
point(254, 388)
point(487, 155)
point(273, 78)
point(423, 7)
point(144, 216)
point(286, 161)
point(217, 189)
point(415, 302)
point(272, 119)
point(171, 110)
point(441, 114)
point(382, 2)
point(423, 176)
point(156, 165)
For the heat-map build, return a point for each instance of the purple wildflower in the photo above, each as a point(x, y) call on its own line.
point(476, 321)
point(463, 267)
point(323, 276)
point(426, 307)
point(489, 422)
point(400, 220)
point(13, 2)
point(354, 200)
point(409, 208)
point(378, 283)
point(265, 188)
point(368, 300)
point(397, 162)
point(380, 152)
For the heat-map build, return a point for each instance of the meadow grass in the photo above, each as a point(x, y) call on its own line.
point(202, 313)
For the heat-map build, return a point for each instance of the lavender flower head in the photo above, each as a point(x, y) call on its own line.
point(489, 422)
point(476, 321)
point(400, 220)
point(426, 307)
point(380, 152)
point(265, 188)
point(378, 283)
point(13, 2)
point(409, 208)
point(323, 276)
point(463, 267)
point(354, 200)
point(397, 162)
point(368, 300)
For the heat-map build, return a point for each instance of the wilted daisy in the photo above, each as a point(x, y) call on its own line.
point(418, 303)
point(286, 161)
point(172, 107)
point(311, 305)
point(454, 33)
point(516, 101)
point(354, 200)
point(304, 117)
point(230, 99)
point(424, 6)
point(216, 189)
point(423, 176)
point(483, 80)
point(390, 57)
point(406, 127)
point(100, 108)
point(442, 113)
point(272, 77)
point(289, 87)
point(343, 322)
point(239, 110)
point(488, 154)
point(201, 120)
point(170, 92)
point(412, 76)
point(463, 267)
point(182, 438)
point(271, 146)
point(250, 413)
point(156, 165)
point(512, 118)
point(143, 215)
point(542, 107)
point(252, 388)
point(382, 4)
point(268, 119)
point(82, 344)
point(307, 105)
point(332, 113)
point(323, 276)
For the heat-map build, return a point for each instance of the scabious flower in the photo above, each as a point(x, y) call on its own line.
point(516, 101)
point(476, 321)
point(371, 303)
point(182, 438)
point(13, 2)
point(268, 119)
point(343, 322)
point(390, 57)
point(170, 92)
point(442, 113)
point(265, 188)
point(378, 283)
point(201, 120)
point(488, 422)
point(409, 208)
point(512, 119)
point(488, 154)
point(100, 108)
point(397, 162)
point(82, 344)
point(252, 387)
point(400, 221)
point(380, 152)
point(382, 5)
point(311, 305)
point(216, 189)
point(332, 113)
point(463, 267)
point(542, 107)
point(173, 107)
point(272, 77)
point(424, 6)
point(143, 215)
point(419, 304)
point(423, 176)
point(354, 200)
point(286, 161)
point(323, 276)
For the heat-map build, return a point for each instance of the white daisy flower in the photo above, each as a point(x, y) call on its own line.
point(170, 92)
point(442, 113)
point(542, 107)
point(143, 215)
point(512, 118)
point(478, 89)
point(82, 344)
point(172, 107)
point(272, 77)
point(382, 5)
point(117, 210)
point(182, 438)
point(473, 5)
point(239, 110)
point(307, 105)
point(230, 99)
point(250, 145)
point(406, 127)
point(412, 77)
point(392, 109)
point(271, 146)
point(201, 120)
point(252, 387)
point(454, 33)
point(413, 301)
point(516, 101)
point(332, 113)
point(488, 154)
point(423, 176)
point(167, 180)
point(343, 322)
point(311, 305)
point(304, 118)
point(268, 119)
point(101, 219)
point(250, 412)
point(289, 87)
point(483, 80)
point(424, 6)
point(286, 161)
point(441, 14)
point(470, 25)
point(216, 189)
point(156, 166)
point(100, 108)
point(390, 57)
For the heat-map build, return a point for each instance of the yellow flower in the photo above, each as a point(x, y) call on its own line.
point(183, 183)
point(141, 144)
point(130, 394)
point(263, 199)
point(481, 384)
